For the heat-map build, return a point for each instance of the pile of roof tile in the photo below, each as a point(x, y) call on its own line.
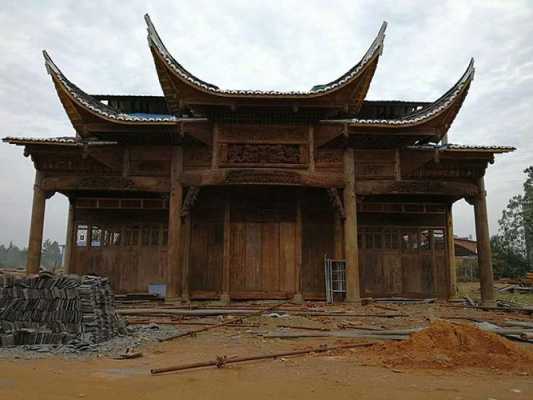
point(49, 309)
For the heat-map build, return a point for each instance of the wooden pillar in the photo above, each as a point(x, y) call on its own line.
point(484, 254)
point(226, 263)
point(174, 263)
point(351, 249)
point(298, 297)
point(187, 227)
point(35, 242)
point(69, 240)
point(452, 274)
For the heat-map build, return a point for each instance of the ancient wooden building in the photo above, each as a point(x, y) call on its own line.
point(239, 194)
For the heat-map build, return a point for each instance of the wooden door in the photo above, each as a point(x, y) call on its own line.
point(262, 244)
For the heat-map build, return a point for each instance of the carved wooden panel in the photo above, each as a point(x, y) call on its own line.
point(271, 133)
point(262, 154)
point(263, 177)
point(71, 164)
point(449, 169)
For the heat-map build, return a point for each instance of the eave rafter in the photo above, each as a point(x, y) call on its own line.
point(181, 87)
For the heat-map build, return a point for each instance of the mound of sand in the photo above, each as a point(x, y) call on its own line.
point(449, 345)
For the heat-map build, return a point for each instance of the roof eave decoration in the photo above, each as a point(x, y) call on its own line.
point(95, 107)
point(461, 148)
point(176, 69)
point(56, 141)
point(443, 110)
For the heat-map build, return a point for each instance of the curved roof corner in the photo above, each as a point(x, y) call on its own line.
point(354, 75)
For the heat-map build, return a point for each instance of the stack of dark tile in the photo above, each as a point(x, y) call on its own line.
point(49, 309)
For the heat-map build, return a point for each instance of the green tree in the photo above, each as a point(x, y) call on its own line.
point(51, 255)
point(513, 245)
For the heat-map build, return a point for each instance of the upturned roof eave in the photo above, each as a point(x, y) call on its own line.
point(177, 70)
point(94, 106)
point(452, 98)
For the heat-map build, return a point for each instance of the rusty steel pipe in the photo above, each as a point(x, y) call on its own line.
point(220, 361)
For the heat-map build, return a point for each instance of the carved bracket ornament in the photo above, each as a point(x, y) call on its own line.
point(190, 199)
point(336, 202)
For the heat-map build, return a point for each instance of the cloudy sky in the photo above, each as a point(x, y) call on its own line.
point(101, 46)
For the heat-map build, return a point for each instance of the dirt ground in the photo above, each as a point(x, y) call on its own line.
point(347, 374)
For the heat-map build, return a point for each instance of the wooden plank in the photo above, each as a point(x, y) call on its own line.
point(238, 254)
point(270, 256)
point(253, 257)
point(287, 257)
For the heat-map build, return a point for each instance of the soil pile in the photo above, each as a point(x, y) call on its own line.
point(448, 345)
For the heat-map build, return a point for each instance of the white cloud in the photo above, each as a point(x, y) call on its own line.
point(101, 46)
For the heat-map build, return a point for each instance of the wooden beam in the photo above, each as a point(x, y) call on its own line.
point(446, 188)
point(61, 183)
point(35, 241)
point(262, 176)
point(226, 263)
point(351, 248)
point(484, 256)
point(174, 263)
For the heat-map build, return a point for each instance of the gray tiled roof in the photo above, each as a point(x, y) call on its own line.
point(155, 42)
point(433, 109)
point(96, 106)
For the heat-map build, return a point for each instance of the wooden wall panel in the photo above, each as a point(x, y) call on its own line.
point(287, 254)
point(206, 252)
point(318, 233)
point(403, 261)
point(129, 270)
